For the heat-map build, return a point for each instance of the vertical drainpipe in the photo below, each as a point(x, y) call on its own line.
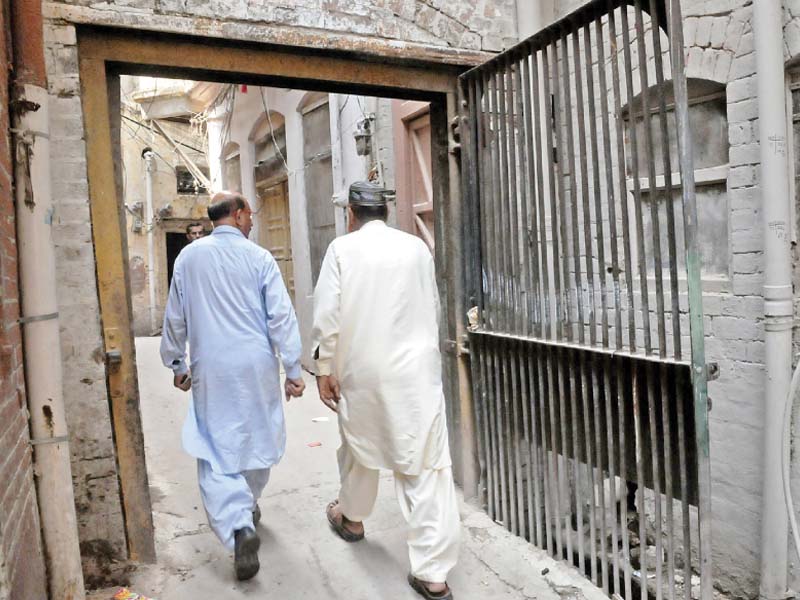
point(150, 168)
point(37, 272)
point(768, 31)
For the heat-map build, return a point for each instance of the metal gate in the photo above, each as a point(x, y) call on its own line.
point(583, 269)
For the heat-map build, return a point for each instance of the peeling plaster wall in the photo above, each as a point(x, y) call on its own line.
point(470, 24)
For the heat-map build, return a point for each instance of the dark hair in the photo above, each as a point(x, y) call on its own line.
point(190, 225)
point(370, 213)
point(225, 203)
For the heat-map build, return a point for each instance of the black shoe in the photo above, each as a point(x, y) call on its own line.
point(256, 515)
point(246, 553)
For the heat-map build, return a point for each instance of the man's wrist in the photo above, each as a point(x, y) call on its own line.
point(294, 371)
point(180, 369)
point(323, 368)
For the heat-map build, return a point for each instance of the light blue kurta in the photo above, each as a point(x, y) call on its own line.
point(229, 301)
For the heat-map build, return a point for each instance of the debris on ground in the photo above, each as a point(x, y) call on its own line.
point(126, 594)
point(314, 444)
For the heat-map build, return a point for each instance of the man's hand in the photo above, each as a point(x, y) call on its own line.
point(328, 387)
point(183, 381)
point(294, 388)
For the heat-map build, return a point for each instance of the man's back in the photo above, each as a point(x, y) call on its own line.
point(221, 278)
point(228, 298)
point(389, 301)
point(376, 324)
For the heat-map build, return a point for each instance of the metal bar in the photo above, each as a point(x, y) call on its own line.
point(598, 350)
point(588, 461)
point(557, 395)
point(573, 189)
point(540, 226)
point(640, 482)
point(538, 446)
point(611, 201)
point(495, 204)
point(514, 230)
point(623, 189)
point(571, 392)
point(529, 236)
point(507, 261)
point(584, 205)
point(655, 472)
point(477, 368)
point(699, 382)
point(666, 401)
point(637, 192)
point(559, 216)
point(683, 463)
point(491, 377)
point(598, 199)
point(651, 173)
point(516, 439)
point(668, 202)
point(598, 493)
point(528, 403)
point(622, 377)
point(617, 516)
point(484, 181)
point(506, 483)
point(468, 181)
point(545, 401)
point(557, 328)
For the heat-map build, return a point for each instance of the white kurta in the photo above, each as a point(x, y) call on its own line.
point(376, 312)
point(228, 299)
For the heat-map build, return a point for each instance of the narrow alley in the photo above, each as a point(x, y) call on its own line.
point(300, 557)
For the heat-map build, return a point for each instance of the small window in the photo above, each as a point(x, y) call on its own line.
point(709, 128)
point(186, 182)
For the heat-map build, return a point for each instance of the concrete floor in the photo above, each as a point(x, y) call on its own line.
point(300, 557)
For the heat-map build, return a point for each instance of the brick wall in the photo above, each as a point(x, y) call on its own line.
point(21, 559)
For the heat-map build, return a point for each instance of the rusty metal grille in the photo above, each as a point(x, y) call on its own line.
point(583, 269)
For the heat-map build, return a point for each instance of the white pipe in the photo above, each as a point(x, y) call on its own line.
point(768, 33)
point(150, 167)
point(43, 374)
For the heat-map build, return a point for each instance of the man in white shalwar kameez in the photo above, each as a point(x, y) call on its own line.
point(376, 341)
point(228, 299)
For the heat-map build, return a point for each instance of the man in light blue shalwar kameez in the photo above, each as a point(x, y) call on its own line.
point(228, 299)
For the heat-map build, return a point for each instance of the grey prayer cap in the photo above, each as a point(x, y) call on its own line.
point(366, 193)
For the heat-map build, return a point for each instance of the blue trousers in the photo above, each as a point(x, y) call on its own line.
point(229, 499)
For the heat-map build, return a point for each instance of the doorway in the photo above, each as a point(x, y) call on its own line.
point(104, 55)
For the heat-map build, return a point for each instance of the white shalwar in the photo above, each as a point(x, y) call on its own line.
point(228, 300)
point(376, 310)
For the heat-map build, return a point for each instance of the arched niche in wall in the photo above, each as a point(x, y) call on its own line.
point(708, 123)
point(318, 175)
point(231, 167)
point(268, 136)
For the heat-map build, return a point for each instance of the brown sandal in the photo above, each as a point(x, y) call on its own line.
point(339, 526)
point(418, 586)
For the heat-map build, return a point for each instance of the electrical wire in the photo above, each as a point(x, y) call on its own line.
point(786, 458)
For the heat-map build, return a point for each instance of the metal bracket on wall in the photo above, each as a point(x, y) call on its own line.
point(113, 358)
point(712, 371)
point(454, 142)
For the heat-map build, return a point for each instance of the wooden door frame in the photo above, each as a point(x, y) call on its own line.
point(106, 53)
